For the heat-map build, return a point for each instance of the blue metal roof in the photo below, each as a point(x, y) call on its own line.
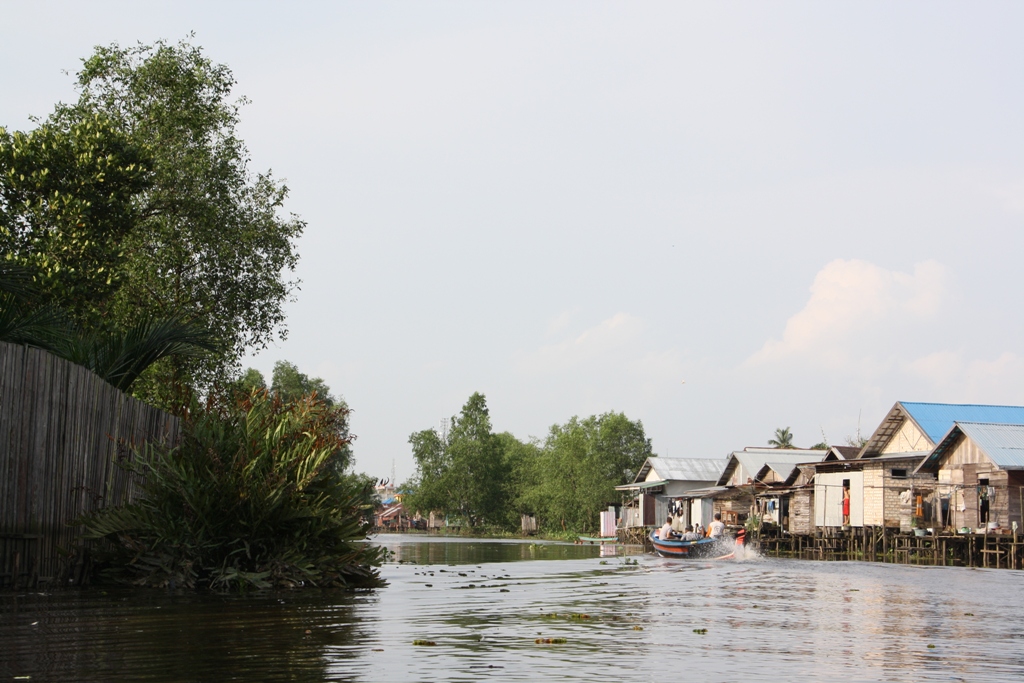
point(937, 418)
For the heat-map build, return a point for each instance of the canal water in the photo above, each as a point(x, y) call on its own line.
point(485, 604)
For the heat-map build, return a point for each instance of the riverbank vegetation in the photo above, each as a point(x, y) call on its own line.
point(480, 479)
point(136, 241)
point(254, 496)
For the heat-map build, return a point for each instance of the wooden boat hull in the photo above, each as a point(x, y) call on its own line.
point(703, 548)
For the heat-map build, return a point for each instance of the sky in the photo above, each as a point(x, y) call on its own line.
point(717, 218)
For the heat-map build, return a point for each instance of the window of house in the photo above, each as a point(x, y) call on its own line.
point(899, 474)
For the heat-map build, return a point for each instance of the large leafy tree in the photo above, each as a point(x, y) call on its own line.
point(138, 199)
point(581, 464)
point(464, 473)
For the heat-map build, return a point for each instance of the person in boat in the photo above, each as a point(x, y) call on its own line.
point(717, 528)
point(666, 533)
point(689, 534)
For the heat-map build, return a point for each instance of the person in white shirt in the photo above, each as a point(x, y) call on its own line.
point(717, 527)
point(666, 531)
point(689, 534)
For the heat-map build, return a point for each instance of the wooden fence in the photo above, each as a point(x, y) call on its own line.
point(63, 431)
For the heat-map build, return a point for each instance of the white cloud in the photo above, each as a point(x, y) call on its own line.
point(604, 341)
point(855, 307)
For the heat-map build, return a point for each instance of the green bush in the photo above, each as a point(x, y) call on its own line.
point(253, 496)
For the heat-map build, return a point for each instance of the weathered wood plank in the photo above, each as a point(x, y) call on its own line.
point(62, 433)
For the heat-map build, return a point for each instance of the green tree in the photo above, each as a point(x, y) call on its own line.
point(67, 206)
point(218, 245)
point(464, 475)
point(291, 384)
point(581, 464)
point(250, 380)
point(138, 198)
point(783, 438)
point(431, 485)
point(521, 485)
point(477, 464)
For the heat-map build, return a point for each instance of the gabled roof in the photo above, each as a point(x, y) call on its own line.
point(682, 469)
point(1002, 443)
point(753, 459)
point(842, 452)
point(935, 419)
point(785, 472)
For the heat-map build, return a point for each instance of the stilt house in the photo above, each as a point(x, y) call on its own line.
point(980, 472)
point(659, 486)
point(886, 485)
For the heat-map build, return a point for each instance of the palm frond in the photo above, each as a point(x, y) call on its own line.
point(120, 357)
point(45, 327)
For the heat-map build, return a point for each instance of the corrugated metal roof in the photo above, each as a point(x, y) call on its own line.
point(753, 459)
point(640, 485)
point(684, 469)
point(937, 418)
point(704, 493)
point(689, 469)
point(1001, 442)
point(783, 469)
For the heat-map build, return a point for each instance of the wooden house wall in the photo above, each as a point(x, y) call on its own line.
point(805, 476)
point(734, 510)
point(801, 511)
point(959, 473)
point(63, 431)
point(1015, 496)
point(739, 476)
point(908, 438)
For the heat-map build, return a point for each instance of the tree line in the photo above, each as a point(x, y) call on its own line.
point(478, 478)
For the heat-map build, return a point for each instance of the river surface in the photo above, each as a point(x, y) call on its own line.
point(486, 603)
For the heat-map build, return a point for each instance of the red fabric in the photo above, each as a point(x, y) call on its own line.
point(846, 506)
